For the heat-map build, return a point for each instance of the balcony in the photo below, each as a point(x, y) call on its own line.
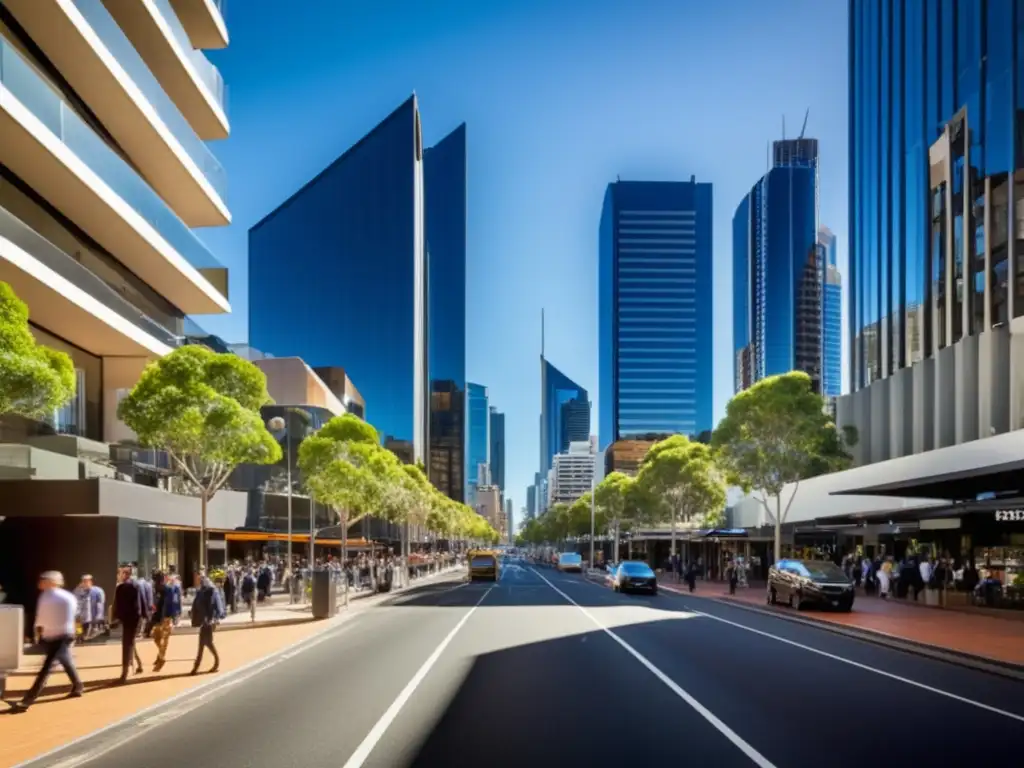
point(193, 83)
point(96, 58)
point(204, 22)
point(44, 142)
point(70, 301)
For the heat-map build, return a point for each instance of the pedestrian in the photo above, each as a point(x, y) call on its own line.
point(231, 589)
point(207, 611)
point(131, 610)
point(55, 622)
point(734, 576)
point(165, 613)
point(91, 607)
point(691, 577)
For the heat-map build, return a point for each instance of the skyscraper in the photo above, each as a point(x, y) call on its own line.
point(655, 316)
point(832, 316)
point(444, 173)
point(935, 130)
point(497, 457)
point(478, 443)
point(337, 275)
point(777, 278)
point(556, 430)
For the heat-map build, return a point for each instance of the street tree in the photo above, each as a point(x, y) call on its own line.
point(203, 409)
point(34, 380)
point(682, 475)
point(775, 434)
point(611, 499)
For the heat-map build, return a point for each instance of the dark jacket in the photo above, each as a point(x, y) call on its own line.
point(208, 606)
point(130, 606)
point(168, 602)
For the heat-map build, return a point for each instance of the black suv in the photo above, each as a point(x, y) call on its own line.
point(800, 583)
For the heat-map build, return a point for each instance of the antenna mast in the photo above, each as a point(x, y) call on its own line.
point(542, 333)
point(804, 128)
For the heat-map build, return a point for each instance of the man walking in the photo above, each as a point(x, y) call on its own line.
point(166, 611)
point(55, 620)
point(131, 610)
point(207, 611)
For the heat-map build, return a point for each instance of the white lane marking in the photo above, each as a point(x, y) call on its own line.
point(368, 744)
point(865, 667)
point(756, 757)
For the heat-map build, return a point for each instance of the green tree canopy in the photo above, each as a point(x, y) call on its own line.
point(34, 380)
point(777, 433)
point(682, 474)
point(203, 409)
point(611, 498)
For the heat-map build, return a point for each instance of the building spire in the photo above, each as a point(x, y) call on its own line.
point(542, 333)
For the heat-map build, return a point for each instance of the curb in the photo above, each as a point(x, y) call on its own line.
point(961, 658)
point(144, 716)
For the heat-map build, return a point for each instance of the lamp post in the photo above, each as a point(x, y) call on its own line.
point(276, 424)
point(593, 476)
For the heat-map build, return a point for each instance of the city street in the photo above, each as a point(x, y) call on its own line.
point(544, 669)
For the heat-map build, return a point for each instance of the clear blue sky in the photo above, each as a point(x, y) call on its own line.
point(560, 96)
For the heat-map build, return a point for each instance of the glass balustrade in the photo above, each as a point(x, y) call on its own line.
point(114, 39)
point(26, 85)
point(207, 72)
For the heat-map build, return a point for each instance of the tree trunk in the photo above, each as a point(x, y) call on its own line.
point(344, 554)
point(778, 529)
point(615, 546)
point(673, 532)
point(202, 532)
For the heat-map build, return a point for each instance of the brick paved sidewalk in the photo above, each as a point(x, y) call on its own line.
point(1001, 640)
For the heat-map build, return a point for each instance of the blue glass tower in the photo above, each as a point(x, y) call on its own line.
point(497, 458)
point(338, 276)
point(444, 173)
point(478, 445)
point(556, 431)
point(832, 316)
point(655, 309)
point(777, 298)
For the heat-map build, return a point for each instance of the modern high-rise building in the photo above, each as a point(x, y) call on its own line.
point(357, 228)
point(777, 278)
point(497, 455)
point(936, 235)
point(831, 315)
point(557, 430)
point(655, 318)
point(478, 440)
point(573, 472)
point(444, 174)
point(105, 113)
point(510, 521)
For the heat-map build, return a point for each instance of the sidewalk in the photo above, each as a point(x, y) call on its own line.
point(998, 640)
point(55, 721)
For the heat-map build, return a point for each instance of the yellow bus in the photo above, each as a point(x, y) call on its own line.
point(484, 565)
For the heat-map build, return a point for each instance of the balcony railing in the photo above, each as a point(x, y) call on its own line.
point(120, 47)
point(18, 232)
point(207, 72)
point(21, 79)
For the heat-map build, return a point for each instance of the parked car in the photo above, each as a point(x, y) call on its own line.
point(802, 583)
point(570, 562)
point(635, 576)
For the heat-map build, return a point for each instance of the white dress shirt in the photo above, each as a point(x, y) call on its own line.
point(55, 613)
point(925, 568)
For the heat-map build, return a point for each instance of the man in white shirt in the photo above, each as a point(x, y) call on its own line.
point(55, 620)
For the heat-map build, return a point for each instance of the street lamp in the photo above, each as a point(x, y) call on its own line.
point(593, 477)
point(276, 424)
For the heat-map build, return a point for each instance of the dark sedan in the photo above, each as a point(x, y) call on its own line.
point(634, 576)
point(803, 583)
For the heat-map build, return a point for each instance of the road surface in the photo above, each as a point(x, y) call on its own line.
point(545, 669)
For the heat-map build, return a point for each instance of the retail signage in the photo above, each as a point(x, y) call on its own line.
point(1009, 515)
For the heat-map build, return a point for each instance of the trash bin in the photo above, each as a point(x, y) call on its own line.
point(325, 592)
point(12, 638)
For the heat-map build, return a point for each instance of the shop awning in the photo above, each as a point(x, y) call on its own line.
point(297, 538)
point(961, 485)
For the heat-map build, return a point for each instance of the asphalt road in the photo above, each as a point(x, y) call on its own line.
point(544, 669)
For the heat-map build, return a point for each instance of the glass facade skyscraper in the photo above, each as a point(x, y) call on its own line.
point(497, 457)
point(478, 430)
point(832, 316)
point(655, 309)
point(777, 280)
point(444, 172)
point(557, 390)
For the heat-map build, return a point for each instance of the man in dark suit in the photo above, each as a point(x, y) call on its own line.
point(131, 610)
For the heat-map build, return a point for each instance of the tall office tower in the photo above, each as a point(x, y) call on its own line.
point(832, 316)
point(478, 440)
point(936, 241)
point(573, 472)
point(531, 502)
point(337, 276)
point(104, 171)
point(444, 174)
point(497, 457)
point(106, 111)
point(655, 319)
point(510, 521)
point(777, 283)
point(556, 430)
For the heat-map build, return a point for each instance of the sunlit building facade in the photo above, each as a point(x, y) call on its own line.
point(557, 430)
point(478, 440)
point(832, 316)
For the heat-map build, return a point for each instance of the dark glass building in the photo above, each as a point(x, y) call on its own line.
point(777, 283)
point(832, 316)
point(337, 276)
point(478, 440)
point(497, 460)
point(444, 174)
point(557, 390)
point(655, 309)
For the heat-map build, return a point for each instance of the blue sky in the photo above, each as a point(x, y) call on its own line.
point(560, 96)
